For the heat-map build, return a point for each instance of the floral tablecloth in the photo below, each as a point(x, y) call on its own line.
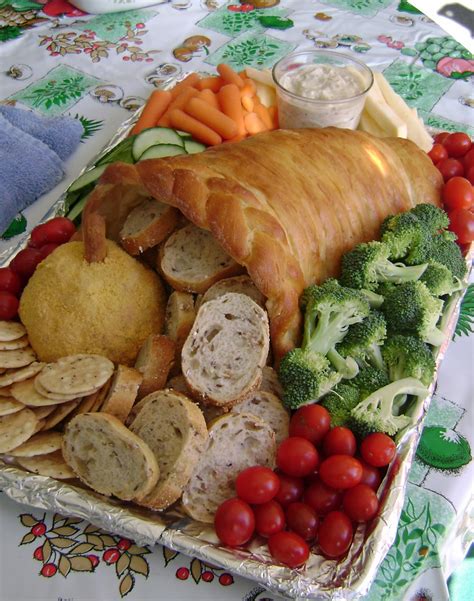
point(56, 60)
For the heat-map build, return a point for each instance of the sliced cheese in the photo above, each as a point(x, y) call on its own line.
point(368, 125)
point(264, 76)
point(385, 117)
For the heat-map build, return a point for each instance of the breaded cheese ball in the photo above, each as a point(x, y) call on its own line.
point(71, 306)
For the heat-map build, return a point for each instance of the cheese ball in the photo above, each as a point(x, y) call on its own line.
point(109, 308)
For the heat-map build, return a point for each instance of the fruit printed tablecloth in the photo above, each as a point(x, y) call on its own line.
point(98, 69)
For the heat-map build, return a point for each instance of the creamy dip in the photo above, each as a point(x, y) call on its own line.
point(322, 82)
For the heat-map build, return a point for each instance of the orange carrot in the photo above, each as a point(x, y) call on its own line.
point(178, 103)
point(213, 118)
point(229, 101)
point(210, 83)
point(229, 75)
point(248, 103)
point(263, 113)
point(180, 120)
point(208, 96)
point(253, 123)
point(249, 88)
point(273, 110)
point(188, 82)
point(154, 109)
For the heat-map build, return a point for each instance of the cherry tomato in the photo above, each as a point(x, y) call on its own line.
point(8, 305)
point(322, 498)
point(269, 518)
point(296, 456)
point(234, 522)
point(25, 262)
point(47, 249)
point(457, 144)
point(339, 441)
point(302, 519)
point(458, 194)
point(468, 160)
point(470, 175)
point(461, 222)
point(370, 475)
point(335, 534)
point(9, 281)
point(288, 548)
point(377, 449)
point(311, 422)
point(257, 484)
point(291, 489)
point(441, 138)
point(438, 153)
point(450, 168)
point(340, 471)
point(360, 503)
point(57, 231)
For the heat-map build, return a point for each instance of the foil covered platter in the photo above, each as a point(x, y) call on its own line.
point(320, 579)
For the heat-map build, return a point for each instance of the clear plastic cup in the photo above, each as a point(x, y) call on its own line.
point(319, 88)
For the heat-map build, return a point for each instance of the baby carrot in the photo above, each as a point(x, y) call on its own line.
point(208, 96)
point(213, 118)
point(210, 83)
point(263, 113)
point(253, 123)
point(229, 75)
point(229, 101)
point(180, 120)
point(154, 109)
point(178, 103)
point(188, 82)
point(249, 89)
point(248, 103)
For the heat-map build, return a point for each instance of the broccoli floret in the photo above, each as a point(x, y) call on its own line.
point(410, 309)
point(367, 265)
point(401, 233)
point(339, 402)
point(375, 412)
point(370, 379)
point(375, 300)
point(408, 357)
point(433, 218)
point(441, 249)
point(363, 341)
point(439, 280)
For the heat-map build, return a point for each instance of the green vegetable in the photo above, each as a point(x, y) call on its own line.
point(363, 341)
point(339, 402)
point(439, 280)
point(369, 379)
point(408, 357)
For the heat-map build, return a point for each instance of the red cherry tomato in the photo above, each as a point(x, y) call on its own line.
point(257, 484)
point(291, 489)
point(25, 262)
point(234, 522)
point(457, 144)
point(296, 456)
point(470, 174)
point(288, 548)
point(8, 305)
point(450, 168)
point(468, 160)
point(371, 475)
point(57, 231)
point(47, 249)
point(377, 449)
point(340, 471)
point(269, 518)
point(458, 194)
point(335, 534)
point(322, 498)
point(311, 422)
point(360, 503)
point(339, 441)
point(461, 222)
point(438, 153)
point(9, 281)
point(302, 519)
point(441, 138)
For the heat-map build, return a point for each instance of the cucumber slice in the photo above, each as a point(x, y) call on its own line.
point(121, 152)
point(87, 178)
point(152, 137)
point(77, 209)
point(192, 147)
point(183, 134)
point(162, 150)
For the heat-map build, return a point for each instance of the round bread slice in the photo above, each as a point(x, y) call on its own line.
point(122, 392)
point(109, 458)
point(236, 441)
point(16, 428)
point(52, 465)
point(270, 382)
point(175, 430)
point(39, 444)
point(241, 284)
point(210, 412)
point(223, 356)
point(268, 407)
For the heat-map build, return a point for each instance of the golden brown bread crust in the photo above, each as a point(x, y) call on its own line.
point(286, 204)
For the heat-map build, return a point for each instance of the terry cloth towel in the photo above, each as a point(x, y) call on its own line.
point(32, 150)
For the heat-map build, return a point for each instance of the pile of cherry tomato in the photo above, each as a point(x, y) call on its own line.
point(44, 238)
point(317, 495)
point(453, 155)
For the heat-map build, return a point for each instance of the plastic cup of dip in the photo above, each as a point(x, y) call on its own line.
point(319, 88)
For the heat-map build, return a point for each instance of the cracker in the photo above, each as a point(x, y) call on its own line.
point(6, 391)
point(42, 412)
point(39, 444)
point(59, 414)
point(76, 374)
point(26, 393)
point(17, 375)
point(9, 405)
point(52, 465)
point(15, 429)
point(57, 398)
point(39, 425)
point(13, 345)
point(92, 402)
point(18, 358)
point(11, 330)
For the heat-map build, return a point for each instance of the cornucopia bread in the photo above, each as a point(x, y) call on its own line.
point(285, 204)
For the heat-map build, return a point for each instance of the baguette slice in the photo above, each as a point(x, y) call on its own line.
point(154, 362)
point(174, 428)
point(241, 284)
point(223, 356)
point(147, 225)
point(210, 412)
point(269, 408)
point(179, 318)
point(109, 458)
point(270, 382)
point(123, 392)
point(236, 441)
point(191, 260)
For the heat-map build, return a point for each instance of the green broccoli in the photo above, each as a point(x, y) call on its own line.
point(367, 265)
point(339, 402)
point(439, 280)
point(441, 249)
point(370, 379)
point(410, 309)
point(408, 357)
point(375, 300)
point(363, 340)
point(432, 217)
point(375, 412)
point(401, 233)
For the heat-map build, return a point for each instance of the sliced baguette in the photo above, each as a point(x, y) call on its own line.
point(191, 260)
point(147, 225)
point(154, 361)
point(175, 430)
point(123, 392)
point(108, 457)
point(210, 412)
point(270, 382)
point(269, 408)
point(179, 318)
point(236, 441)
point(223, 356)
point(241, 284)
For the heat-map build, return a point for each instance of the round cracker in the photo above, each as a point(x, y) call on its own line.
point(18, 358)
point(39, 444)
point(52, 465)
point(13, 345)
point(42, 412)
point(59, 414)
point(11, 330)
point(17, 428)
point(9, 405)
point(18, 375)
point(6, 391)
point(76, 374)
point(26, 393)
point(56, 398)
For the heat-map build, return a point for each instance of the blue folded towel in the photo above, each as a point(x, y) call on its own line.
point(32, 150)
